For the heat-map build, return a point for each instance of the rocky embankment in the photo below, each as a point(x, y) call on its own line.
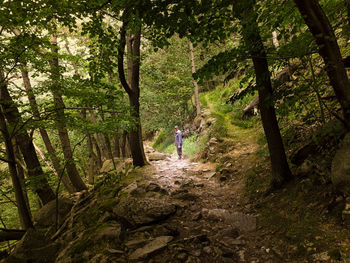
point(170, 211)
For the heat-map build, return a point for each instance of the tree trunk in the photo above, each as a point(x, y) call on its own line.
point(44, 135)
point(275, 41)
point(116, 147)
point(20, 172)
point(92, 162)
point(101, 143)
point(321, 29)
point(123, 144)
point(279, 165)
point(195, 85)
point(23, 210)
point(35, 172)
point(60, 119)
point(98, 152)
point(133, 91)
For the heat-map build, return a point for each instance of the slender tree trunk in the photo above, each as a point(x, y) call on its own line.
point(195, 85)
point(41, 187)
point(102, 144)
point(318, 96)
point(72, 171)
point(21, 177)
point(92, 162)
point(279, 165)
point(23, 210)
point(123, 144)
point(44, 135)
point(321, 29)
point(98, 152)
point(133, 91)
point(116, 145)
point(275, 41)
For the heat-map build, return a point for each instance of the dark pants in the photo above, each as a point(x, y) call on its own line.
point(179, 150)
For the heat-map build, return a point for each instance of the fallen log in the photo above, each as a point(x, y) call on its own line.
point(282, 77)
point(11, 234)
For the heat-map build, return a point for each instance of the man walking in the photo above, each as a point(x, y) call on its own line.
point(178, 141)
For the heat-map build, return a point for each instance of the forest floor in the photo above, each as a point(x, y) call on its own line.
point(212, 215)
point(226, 215)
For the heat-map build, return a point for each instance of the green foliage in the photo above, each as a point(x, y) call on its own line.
point(193, 145)
point(164, 141)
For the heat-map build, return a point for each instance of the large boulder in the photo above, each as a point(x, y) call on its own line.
point(340, 174)
point(156, 156)
point(46, 216)
point(137, 212)
point(154, 245)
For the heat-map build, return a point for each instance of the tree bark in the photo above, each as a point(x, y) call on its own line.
point(44, 135)
point(321, 29)
point(116, 147)
point(133, 90)
point(35, 172)
point(20, 172)
point(23, 210)
point(195, 84)
point(98, 152)
point(101, 143)
point(60, 119)
point(92, 162)
point(275, 41)
point(279, 165)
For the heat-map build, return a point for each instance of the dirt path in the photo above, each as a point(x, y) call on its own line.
point(211, 223)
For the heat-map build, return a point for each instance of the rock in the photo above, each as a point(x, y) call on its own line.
point(197, 216)
point(186, 197)
point(149, 149)
point(153, 187)
point(130, 188)
point(135, 243)
point(239, 220)
point(157, 156)
point(210, 175)
point(213, 141)
point(137, 212)
point(46, 216)
point(321, 257)
point(156, 244)
point(207, 250)
point(340, 173)
point(181, 256)
point(304, 169)
point(109, 233)
point(229, 242)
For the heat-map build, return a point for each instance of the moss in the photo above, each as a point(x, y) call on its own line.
point(334, 254)
point(108, 205)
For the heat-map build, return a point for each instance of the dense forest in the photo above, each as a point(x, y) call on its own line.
point(90, 89)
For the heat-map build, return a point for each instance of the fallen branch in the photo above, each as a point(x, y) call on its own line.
point(11, 234)
point(282, 77)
